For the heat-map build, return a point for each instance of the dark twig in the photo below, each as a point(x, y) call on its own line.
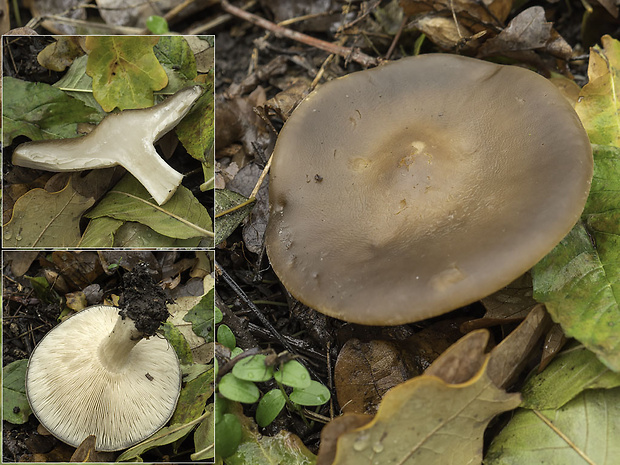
point(346, 52)
point(262, 318)
point(396, 38)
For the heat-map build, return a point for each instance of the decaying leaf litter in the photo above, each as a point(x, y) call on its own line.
point(96, 86)
point(249, 57)
point(543, 39)
point(40, 289)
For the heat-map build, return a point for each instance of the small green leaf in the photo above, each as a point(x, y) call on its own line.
point(253, 368)
point(15, 407)
point(293, 374)
point(228, 435)
point(226, 337)
point(157, 25)
point(218, 317)
point(315, 394)
point(270, 407)
point(238, 390)
point(236, 351)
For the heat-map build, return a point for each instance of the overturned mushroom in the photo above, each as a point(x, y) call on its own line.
point(409, 190)
point(104, 373)
point(125, 138)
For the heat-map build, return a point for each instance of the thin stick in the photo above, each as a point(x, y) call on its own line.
point(262, 318)
point(346, 52)
point(252, 198)
point(396, 38)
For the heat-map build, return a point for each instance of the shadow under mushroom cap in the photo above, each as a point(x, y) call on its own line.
point(409, 190)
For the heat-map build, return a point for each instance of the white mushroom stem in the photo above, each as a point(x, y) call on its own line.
point(116, 347)
point(125, 139)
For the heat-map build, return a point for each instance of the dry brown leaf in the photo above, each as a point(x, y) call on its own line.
point(78, 269)
point(529, 30)
point(364, 372)
point(554, 341)
point(509, 357)
point(60, 54)
point(510, 304)
point(462, 360)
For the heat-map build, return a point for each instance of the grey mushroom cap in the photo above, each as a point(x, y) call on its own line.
point(409, 190)
point(93, 374)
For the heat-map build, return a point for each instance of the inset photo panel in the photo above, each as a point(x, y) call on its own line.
point(108, 141)
point(108, 356)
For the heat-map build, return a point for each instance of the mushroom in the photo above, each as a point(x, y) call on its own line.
point(100, 373)
point(409, 190)
point(125, 138)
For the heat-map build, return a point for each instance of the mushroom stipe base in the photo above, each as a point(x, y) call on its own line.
point(442, 179)
point(90, 375)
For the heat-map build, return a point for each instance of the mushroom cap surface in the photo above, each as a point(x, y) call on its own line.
point(406, 191)
point(73, 395)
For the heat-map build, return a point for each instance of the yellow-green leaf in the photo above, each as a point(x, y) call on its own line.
point(599, 103)
point(425, 420)
point(125, 71)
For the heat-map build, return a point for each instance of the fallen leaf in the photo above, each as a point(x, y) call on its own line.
point(333, 430)
point(46, 219)
point(599, 104)
point(283, 448)
point(510, 356)
point(578, 279)
point(226, 200)
point(364, 372)
point(78, 270)
point(510, 304)
point(571, 372)
point(180, 217)
point(40, 111)
point(554, 341)
point(528, 30)
point(584, 431)
point(204, 438)
point(196, 131)
point(193, 399)
point(166, 435)
point(461, 361)
point(60, 54)
point(125, 71)
point(100, 232)
point(426, 420)
point(78, 84)
point(177, 58)
point(15, 407)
